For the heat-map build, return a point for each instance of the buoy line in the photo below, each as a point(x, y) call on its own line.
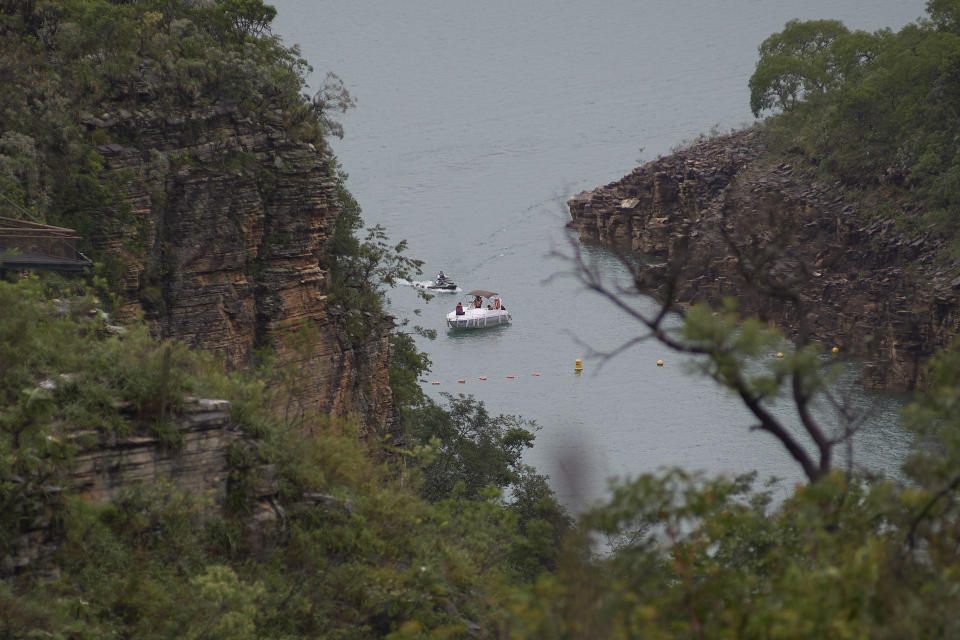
point(464, 380)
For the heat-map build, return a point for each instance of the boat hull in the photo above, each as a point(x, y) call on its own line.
point(478, 318)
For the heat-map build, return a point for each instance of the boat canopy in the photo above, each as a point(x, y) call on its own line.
point(482, 293)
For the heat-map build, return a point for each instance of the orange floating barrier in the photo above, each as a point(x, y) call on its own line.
point(482, 378)
point(510, 376)
point(435, 382)
point(535, 373)
point(461, 381)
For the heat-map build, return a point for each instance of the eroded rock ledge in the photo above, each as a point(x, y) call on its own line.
point(204, 455)
point(728, 213)
point(105, 466)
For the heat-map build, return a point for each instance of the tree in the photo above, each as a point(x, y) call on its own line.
point(332, 96)
point(360, 269)
point(870, 109)
point(770, 273)
point(223, 606)
point(243, 19)
point(845, 557)
point(474, 450)
point(945, 15)
point(794, 64)
point(475, 466)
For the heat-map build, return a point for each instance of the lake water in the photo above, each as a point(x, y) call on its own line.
point(476, 121)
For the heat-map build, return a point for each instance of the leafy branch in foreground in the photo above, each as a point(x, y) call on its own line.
point(847, 556)
point(468, 457)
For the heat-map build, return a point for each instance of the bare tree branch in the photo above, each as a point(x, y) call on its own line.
point(766, 268)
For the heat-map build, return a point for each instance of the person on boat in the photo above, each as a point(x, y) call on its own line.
point(496, 302)
point(478, 302)
point(490, 307)
point(460, 310)
point(441, 279)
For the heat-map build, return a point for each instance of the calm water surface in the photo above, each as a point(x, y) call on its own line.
point(475, 121)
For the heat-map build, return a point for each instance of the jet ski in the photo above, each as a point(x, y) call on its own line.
point(441, 284)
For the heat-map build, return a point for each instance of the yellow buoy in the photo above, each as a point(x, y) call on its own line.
point(577, 365)
point(779, 355)
point(835, 350)
point(659, 363)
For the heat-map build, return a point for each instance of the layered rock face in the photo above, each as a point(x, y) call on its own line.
point(107, 466)
point(197, 465)
point(228, 219)
point(722, 219)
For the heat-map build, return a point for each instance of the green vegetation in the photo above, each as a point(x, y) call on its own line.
point(357, 554)
point(461, 539)
point(76, 71)
point(78, 74)
point(472, 456)
point(874, 110)
point(448, 534)
point(849, 555)
point(464, 540)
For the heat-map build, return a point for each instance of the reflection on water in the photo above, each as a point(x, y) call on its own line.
point(483, 336)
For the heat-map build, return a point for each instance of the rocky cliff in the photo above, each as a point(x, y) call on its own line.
point(220, 236)
point(736, 222)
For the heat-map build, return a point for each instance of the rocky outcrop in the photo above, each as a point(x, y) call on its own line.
point(196, 463)
point(194, 460)
point(728, 220)
point(220, 236)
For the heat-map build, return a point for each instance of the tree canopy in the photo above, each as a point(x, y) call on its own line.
point(873, 109)
point(70, 65)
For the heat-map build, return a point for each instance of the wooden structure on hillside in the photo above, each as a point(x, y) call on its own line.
point(30, 245)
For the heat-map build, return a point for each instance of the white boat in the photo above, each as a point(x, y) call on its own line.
point(484, 309)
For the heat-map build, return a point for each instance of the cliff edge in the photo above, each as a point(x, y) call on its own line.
point(221, 235)
point(746, 225)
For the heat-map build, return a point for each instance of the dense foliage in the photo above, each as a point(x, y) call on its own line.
point(358, 554)
point(65, 64)
point(876, 110)
point(852, 554)
point(463, 541)
point(473, 456)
